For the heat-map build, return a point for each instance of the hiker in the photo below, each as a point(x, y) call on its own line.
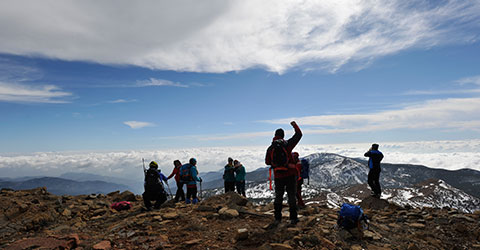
point(239, 177)
point(189, 176)
point(179, 195)
point(279, 157)
point(375, 157)
point(154, 190)
point(229, 176)
point(298, 166)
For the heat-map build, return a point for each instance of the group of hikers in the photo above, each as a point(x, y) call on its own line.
point(289, 174)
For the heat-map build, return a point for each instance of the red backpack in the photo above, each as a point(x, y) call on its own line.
point(121, 205)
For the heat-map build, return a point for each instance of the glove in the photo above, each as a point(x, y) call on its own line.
point(201, 180)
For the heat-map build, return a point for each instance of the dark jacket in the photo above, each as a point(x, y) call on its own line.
point(375, 157)
point(291, 143)
point(229, 173)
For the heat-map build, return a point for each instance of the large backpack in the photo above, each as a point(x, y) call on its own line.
point(152, 178)
point(186, 173)
point(351, 216)
point(305, 173)
point(279, 154)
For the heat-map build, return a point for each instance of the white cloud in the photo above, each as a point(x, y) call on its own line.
point(159, 82)
point(219, 36)
point(16, 92)
point(123, 101)
point(453, 113)
point(128, 164)
point(138, 125)
point(469, 80)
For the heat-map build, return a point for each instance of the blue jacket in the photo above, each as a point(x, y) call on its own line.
point(240, 173)
point(375, 157)
point(193, 173)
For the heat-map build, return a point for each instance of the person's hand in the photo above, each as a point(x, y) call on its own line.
point(293, 123)
point(201, 180)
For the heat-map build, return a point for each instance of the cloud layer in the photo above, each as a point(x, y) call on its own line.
point(128, 164)
point(138, 124)
point(219, 36)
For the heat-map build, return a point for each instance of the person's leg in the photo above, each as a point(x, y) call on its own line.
point(227, 187)
point(277, 203)
point(242, 186)
point(378, 190)
point(292, 201)
point(182, 193)
point(194, 195)
point(371, 180)
point(299, 193)
point(146, 200)
point(189, 194)
point(239, 189)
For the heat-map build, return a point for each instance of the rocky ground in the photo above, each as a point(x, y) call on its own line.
point(35, 219)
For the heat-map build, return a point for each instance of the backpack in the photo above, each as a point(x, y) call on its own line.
point(279, 154)
point(186, 173)
point(152, 178)
point(121, 205)
point(351, 216)
point(305, 173)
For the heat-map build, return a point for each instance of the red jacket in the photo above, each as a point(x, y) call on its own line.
point(176, 172)
point(291, 143)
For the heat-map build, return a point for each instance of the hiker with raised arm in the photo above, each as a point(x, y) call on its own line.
point(179, 195)
point(229, 176)
point(279, 157)
point(239, 177)
point(189, 176)
point(154, 190)
point(375, 157)
point(298, 166)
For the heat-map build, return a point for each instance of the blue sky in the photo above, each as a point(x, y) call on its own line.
point(187, 74)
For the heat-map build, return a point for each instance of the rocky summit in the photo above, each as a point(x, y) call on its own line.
point(36, 219)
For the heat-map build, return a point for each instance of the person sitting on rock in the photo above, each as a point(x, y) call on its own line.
point(239, 177)
point(375, 157)
point(180, 195)
point(154, 189)
point(189, 176)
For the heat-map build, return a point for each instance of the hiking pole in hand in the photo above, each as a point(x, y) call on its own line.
point(144, 169)
point(169, 190)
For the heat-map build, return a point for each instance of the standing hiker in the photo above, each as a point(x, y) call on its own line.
point(279, 157)
point(229, 176)
point(298, 166)
point(239, 177)
point(189, 176)
point(154, 189)
point(375, 157)
point(179, 195)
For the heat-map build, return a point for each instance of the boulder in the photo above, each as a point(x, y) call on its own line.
point(126, 196)
point(170, 216)
point(242, 234)
point(103, 245)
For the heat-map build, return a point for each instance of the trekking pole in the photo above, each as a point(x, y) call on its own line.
point(169, 190)
point(144, 169)
point(201, 191)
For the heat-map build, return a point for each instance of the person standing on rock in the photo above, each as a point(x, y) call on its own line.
point(375, 157)
point(239, 177)
point(279, 157)
point(229, 176)
point(179, 195)
point(154, 189)
point(189, 176)
point(298, 166)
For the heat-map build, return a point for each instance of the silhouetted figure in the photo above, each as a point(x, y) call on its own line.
point(154, 190)
point(179, 195)
point(375, 157)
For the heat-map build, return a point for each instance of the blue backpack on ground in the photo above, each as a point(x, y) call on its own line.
point(351, 216)
point(305, 173)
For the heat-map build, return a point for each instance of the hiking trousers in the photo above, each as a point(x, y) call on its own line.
point(154, 195)
point(289, 184)
point(374, 180)
point(229, 186)
point(191, 192)
point(299, 193)
point(179, 195)
point(240, 187)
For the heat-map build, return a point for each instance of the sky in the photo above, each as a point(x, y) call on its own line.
point(112, 77)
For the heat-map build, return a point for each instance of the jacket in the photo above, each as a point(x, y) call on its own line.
point(229, 173)
point(375, 157)
point(291, 143)
point(176, 173)
point(193, 173)
point(240, 173)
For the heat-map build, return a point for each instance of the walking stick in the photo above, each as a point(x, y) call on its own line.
point(201, 191)
point(144, 169)
point(169, 190)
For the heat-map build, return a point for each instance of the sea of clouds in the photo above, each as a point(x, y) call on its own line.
point(128, 164)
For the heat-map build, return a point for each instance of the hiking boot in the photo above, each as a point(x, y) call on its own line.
point(293, 222)
point(187, 201)
point(274, 224)
point(195, 201)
